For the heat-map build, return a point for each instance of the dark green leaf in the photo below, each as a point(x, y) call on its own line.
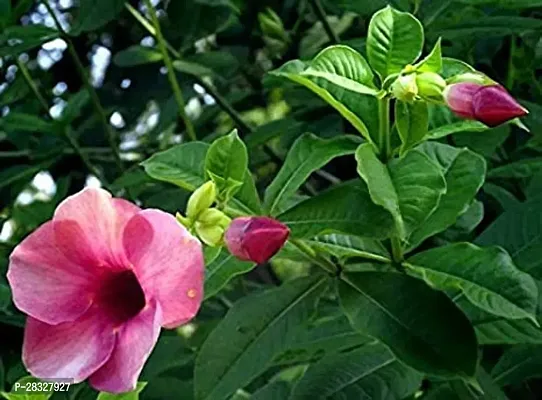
point(420, 325)
point(518, 364)
point(136, 55)
point(464, 172)
point(93, 14)
point(352, 212)
point(17, 39)
point(487, 277)
point(224, 268)
point(519, 231)
point(412, 122)
point(371, 372)
point(308, 154)
point(253, 332)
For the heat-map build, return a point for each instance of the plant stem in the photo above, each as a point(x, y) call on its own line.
point(93, 95)
point(65, 130)
point(32, 85)
point(322, 262)
point(171, 72)
point(384, 128)
point(319, 10)
point(511, 75)
point(397, 249)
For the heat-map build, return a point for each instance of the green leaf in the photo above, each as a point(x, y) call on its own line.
point(419, 184)
point(254, 331)
point(395, 39)
point(21, 122)
point(182, 165)
point(526, 168)
point(192, 68)
point(345, 246)
point(358, 109)
point(371, 372)
point(5, 13)
point(493, 330)
point(433, 61)
point(346, 208)
point(308, 154)
point(272, 391)
point(133, 395)
point(379, 182)
point(518, 364)
point(487, 277)
point(464, 172)
point(329, 335)
point(136, 55)
point(412, 122)
point(17, 39)
point(456, 127)
point(421, 326)
point(93, 14)
point(487, 27)
point(344, 67)
point(226, 163)
point(452, 67)
point(223, 269)
point(519, 231)
point(409, 187)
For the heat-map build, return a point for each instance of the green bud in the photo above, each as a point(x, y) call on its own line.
point(202, 198)
point(271, 25)
point(210, 235)
point(405, 88)
point(430, 86)
point(186, 222)
point(211, 225)
point(213, 216)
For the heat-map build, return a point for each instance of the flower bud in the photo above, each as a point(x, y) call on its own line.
point(211, 225)
point(405, 88)
point(202, 198)
point(255, 239)
point(430, 86)
point(491, 105)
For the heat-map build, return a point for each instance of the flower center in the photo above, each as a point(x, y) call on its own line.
point(121, 296)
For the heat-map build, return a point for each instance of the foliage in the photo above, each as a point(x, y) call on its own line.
point(413, 268)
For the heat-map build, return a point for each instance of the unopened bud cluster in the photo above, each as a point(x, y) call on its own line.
point(208, 223)
point(469, 95)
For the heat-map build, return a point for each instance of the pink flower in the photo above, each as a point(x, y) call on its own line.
point(491, 105)
point(98, 282)
point(255, 239)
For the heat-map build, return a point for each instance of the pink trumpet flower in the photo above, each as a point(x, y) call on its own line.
point(491, 105)
point(98, 282)
point(255, 239)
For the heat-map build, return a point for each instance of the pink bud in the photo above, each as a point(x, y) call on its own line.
point(255, 239)
point(492, 104)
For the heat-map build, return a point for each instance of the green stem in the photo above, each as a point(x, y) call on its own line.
point(32, 85)
point(397, 250)
point(171, 72)
point(322, 262)
point(511, 75)
point(384, 130)
point(65, 130)
point(93, 95)
point(321, 14)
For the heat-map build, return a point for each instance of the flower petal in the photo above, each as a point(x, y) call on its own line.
point(168, 262)
point(135, 341)
point(72, 350)
point(89, 225)
point(45, 284)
